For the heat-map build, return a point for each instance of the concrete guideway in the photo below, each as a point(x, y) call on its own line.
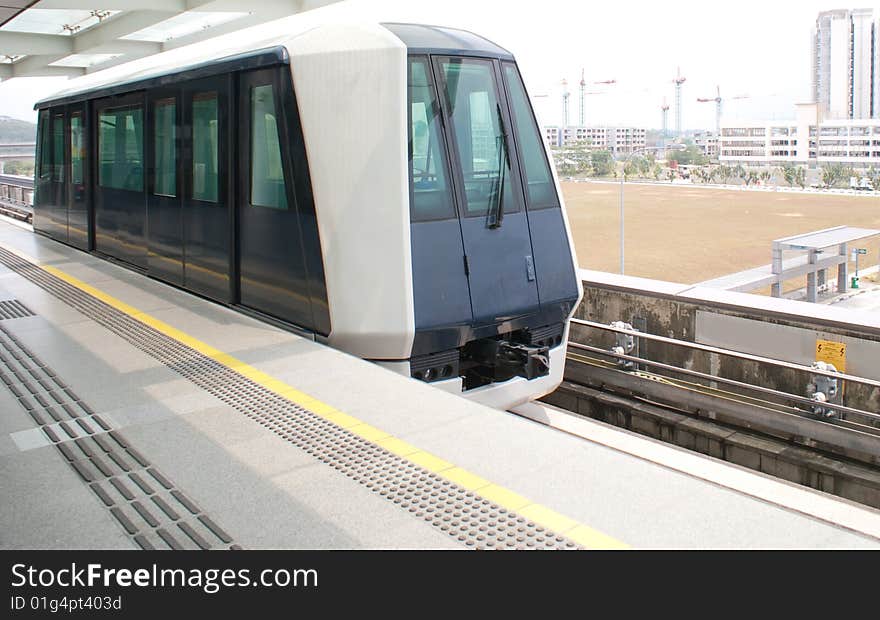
point(267, 493)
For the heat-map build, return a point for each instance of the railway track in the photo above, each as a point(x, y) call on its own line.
point(838, 429)
point(17, 211)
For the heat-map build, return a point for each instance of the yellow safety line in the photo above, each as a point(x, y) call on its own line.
point(583, 535)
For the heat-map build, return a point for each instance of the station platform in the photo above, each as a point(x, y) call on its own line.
point(135, 415)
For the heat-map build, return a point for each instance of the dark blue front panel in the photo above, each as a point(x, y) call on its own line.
point(553, 265)
point(440, 286)
point(502, 286)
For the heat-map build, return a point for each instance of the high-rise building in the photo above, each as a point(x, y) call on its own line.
point(876, 78)
point(845, 63)
point(863, 68)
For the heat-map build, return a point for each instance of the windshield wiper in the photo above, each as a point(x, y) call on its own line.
point(496, 211)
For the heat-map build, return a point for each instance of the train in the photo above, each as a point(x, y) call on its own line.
point(383, 188)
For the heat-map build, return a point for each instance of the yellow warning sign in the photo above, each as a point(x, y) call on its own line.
point(832, 353)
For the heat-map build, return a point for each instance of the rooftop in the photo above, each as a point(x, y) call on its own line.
point(72, 37)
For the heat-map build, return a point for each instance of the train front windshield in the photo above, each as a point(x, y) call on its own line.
point(480, 140)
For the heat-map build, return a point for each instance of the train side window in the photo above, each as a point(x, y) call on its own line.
point(58, 148)
point(205, 182)
point(44, 160)
point(121, 148)
point(431, 198)
point(267, 174)
point(165, 151)
point(539, 181)
point(470, 90)
point(76, 148)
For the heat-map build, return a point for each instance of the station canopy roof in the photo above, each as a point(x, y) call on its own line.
point(825, 238)
point(74, 37)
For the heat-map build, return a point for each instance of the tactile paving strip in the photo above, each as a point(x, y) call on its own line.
point(13, 309)
point(151, 509)
point(470, 519)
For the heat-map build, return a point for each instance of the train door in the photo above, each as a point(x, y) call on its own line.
point(55, 181)
point(440, 282)
point(272, 271)
point(165, 258)
point(552, 254)
point(120, 205)
point(43, 174)
point(494, 226)
point(206, 220)
point(78, 178)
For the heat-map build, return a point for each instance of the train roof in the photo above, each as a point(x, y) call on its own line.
point(255, 47)
point(443, 40)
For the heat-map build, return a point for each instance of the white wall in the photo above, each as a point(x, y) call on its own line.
point(839, 82)
point(862, 61)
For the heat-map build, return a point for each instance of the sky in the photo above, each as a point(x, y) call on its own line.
point(748, 47)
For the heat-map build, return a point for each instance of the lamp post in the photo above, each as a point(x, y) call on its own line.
point(644, 149)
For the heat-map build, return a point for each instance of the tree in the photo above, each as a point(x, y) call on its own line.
point(874, 177)
point(690, 156)
point(656, 171)
point(724, 173)
point(766, 175)
point(835, 174)
point(602, 163)
point(20, 167)
point(801, 177)
point(789, 173)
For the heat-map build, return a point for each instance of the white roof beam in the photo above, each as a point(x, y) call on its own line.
point(34, 66)
point(115, 5)
point(117, 27)
point(25, 43)
point(269, 10)
point(115, 61)
point(33, 63)
point(231, 5)
point(124, 46)
point(69, 72)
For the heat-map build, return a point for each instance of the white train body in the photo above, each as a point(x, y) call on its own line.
point(381, 187)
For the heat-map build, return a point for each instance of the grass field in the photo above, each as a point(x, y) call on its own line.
point(690, 234)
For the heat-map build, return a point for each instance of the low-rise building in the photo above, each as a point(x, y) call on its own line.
point(808, 139)
point(707, 141)
point(618, 140)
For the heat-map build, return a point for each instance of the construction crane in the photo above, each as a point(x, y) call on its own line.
point(582, 111)
point(718, 101)
point(565, 96)
point(678, 81)
point(664, 109)
point(582, 118)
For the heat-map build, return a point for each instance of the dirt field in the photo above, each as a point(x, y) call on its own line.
point(691, 234)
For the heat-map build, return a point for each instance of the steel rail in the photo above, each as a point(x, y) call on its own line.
point(790, 423)
point(731, 382)
point(729, 353)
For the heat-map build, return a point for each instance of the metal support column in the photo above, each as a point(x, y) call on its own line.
point(842, 274)
point(776, 269)
point(812, 294)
